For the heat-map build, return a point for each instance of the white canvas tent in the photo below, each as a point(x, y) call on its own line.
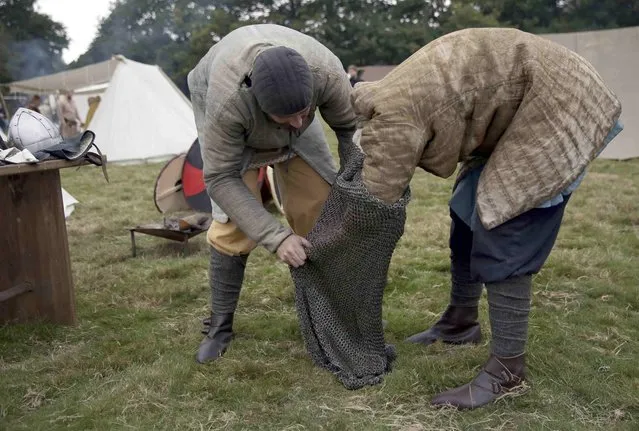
point(82, 95)
point(142, 114)
point(615, 55)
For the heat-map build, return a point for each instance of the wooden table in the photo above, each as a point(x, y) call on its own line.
point(35, 268)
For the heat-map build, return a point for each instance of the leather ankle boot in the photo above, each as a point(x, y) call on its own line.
point(458, 325)
point(218, 338)
point(207, 323)
point(498, 377)
point(226, 275)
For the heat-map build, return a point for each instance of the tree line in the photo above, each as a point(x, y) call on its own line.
point(175, 34)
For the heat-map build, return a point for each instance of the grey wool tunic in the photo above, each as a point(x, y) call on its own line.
point(235, 134)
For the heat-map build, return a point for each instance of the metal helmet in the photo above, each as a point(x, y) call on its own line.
point(32, 131)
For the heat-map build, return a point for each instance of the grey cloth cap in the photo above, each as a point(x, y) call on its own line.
point(281, 81)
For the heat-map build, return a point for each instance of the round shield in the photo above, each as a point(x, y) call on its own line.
point(195, 190)
point(168, 195)
point(193, 180)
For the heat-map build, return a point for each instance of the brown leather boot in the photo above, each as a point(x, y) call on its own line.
point(458, 325)
point(499, 376)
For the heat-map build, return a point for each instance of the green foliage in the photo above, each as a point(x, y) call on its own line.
point(373, 31)
point(31, 43)
point(597, 14)
point(466, 14)
point(176, 33)
point(528, 15)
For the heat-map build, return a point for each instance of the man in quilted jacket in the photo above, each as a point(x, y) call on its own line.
point(525, 117)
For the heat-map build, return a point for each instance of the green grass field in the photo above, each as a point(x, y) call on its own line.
point(129, 363)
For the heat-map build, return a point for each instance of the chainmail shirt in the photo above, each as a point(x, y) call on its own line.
point(338, 292)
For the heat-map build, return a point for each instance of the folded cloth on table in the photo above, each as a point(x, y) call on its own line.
point(14, 156)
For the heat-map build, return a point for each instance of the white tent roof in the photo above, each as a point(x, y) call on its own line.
point(97, 73)
point(615, 55)
point(142, 115)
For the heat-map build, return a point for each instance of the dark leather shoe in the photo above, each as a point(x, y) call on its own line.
point(218, 338)
point(499, 377)
point(458, 325)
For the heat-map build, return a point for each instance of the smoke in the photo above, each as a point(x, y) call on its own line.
point(31, 58)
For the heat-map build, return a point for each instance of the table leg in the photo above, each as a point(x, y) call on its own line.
point(133, 250)
point(34, 249)
point(185, 244)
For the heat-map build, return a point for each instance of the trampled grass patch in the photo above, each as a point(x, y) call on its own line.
point(129, 363)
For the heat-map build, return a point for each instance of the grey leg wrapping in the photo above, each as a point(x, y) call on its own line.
point(458, 324)
point(226, 275)
point(509, 308)
point(464, 291)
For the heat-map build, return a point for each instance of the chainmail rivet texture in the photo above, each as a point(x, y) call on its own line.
point(339, 291)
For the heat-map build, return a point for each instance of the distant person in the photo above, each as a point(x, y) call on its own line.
point(254, 98)
point(34, 103)
point(70, 122)
point(45, 109)
point(354, 74)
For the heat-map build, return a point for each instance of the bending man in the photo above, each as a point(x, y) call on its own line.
point(254, 98)
point(525, 116)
